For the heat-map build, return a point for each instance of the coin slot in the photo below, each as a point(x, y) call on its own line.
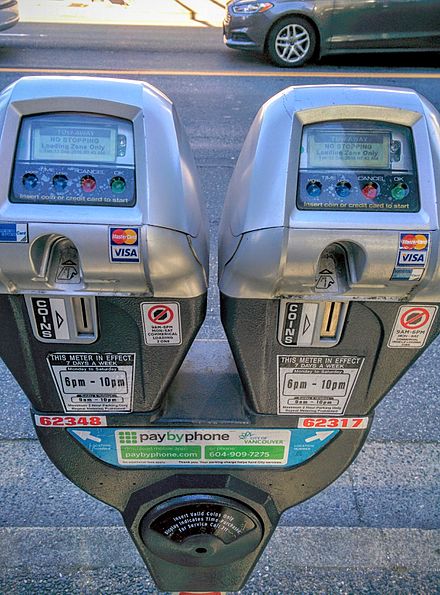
point(330, 320)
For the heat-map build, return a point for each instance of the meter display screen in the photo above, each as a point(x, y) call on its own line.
point(74, 159)
point(74, 143)
point(349, 149)
point(357, 165)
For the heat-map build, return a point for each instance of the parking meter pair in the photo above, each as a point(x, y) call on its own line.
point(329, 291)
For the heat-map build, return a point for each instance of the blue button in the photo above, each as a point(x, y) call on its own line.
point(314, 188)
point(59, 182)
point(343, 188)
point(29, 181)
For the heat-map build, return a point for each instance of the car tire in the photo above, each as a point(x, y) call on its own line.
point(291, 42)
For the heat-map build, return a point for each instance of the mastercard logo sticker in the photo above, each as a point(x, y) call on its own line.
point(410, 241)
point(124, 236)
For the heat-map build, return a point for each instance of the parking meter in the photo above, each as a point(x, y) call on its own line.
point(328, 271)
point(103, 262)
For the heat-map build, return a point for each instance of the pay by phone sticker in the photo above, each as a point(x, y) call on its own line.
point(161, 323)
point(124, 244)
point(411, 327)
point(176, 447)
point(94, 382)
point(315, 384)
point(16, 233)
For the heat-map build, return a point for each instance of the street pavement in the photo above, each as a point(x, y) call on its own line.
point(376, 528)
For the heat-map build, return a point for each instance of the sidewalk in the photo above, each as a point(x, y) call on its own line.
point(179, 13)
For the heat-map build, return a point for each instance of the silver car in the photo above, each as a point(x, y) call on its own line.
point(292, 32)
point(8, 14)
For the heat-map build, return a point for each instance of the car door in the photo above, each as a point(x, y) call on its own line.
point(399, 24)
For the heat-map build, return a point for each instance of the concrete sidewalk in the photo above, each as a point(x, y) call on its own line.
point(178, 13)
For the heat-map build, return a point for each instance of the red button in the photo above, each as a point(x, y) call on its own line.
point(88, 183)
point(370, 190)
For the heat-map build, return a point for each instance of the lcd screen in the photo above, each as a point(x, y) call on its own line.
point(58, 142)
point(348, 149)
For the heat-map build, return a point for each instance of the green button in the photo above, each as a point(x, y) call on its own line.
point(117, 185)
point(399, 191)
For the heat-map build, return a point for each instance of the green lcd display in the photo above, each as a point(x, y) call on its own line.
point(58, 142)
point(349, 149)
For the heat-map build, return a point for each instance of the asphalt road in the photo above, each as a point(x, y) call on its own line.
point(374, 529)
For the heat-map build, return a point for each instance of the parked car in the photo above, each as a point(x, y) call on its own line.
point(8, 14)
point(292, 32)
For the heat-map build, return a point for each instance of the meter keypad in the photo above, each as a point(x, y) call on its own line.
point(357, 165)
point(74, 159)
point(73, 185)
point(348, 190)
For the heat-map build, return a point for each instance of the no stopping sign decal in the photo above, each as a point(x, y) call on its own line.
point(161, 323)
point(411, 327)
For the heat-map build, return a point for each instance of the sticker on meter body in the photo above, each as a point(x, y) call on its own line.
point(49, 318)
point(176, 447)
point(342, 423)
point(412, 256)
point(161, 323)
point(94, 382)
point(16, 233)
point(68, 421)
point(124, 244)
point(411, 327)
point(296, 323)
point(315, 384)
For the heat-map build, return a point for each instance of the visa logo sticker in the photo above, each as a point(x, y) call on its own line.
point(124, 244)
point(412, 258)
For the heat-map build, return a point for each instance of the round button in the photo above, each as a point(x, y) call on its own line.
point(59, 182)
point(371, 190)
point(29, 181)
point(88, 183)
point(314, 188)
point(400, 191)
point(343, 188)
point(117, 184)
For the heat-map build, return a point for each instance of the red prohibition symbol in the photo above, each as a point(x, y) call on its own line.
point(414, 318)
point(160, 314)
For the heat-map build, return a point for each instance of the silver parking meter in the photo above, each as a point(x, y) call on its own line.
point(103, 243)
point(328, 270)
point(103, 260)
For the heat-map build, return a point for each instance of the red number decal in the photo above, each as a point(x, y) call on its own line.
point(81, 421)
point(332, 423)
point(320, 423)
point(69, 421)
point(95, 421)
point(45, 421)
point(308, 423)
point(57, 421)
point(357, 423)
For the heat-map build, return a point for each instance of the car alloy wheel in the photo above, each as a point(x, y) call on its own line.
point(291, 42)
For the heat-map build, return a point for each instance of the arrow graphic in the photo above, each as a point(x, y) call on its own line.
point(59, 319)
point(306, 325)
point(86, 435)
point(319, 436)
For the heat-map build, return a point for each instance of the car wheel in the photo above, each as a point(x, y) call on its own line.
point(291, 42)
